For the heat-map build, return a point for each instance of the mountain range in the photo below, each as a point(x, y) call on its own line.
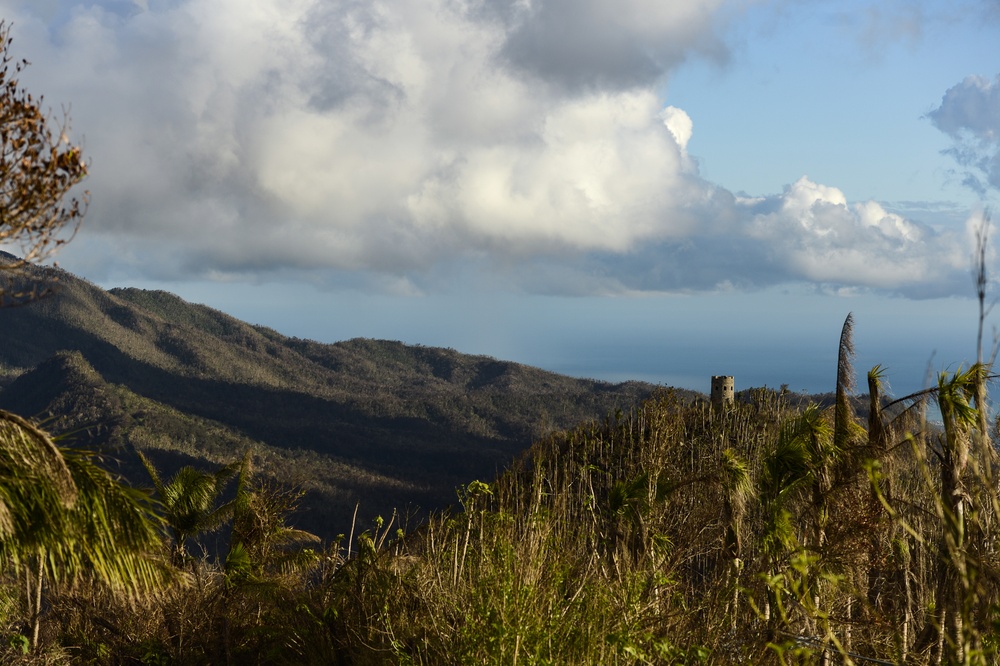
point(376, 425)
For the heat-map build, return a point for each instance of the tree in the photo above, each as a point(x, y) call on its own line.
point(956, 589)
point(62, 516)
point(191, 502)
point(261, 544)
point(38, 168)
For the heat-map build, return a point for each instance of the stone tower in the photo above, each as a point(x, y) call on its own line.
point(723, 391)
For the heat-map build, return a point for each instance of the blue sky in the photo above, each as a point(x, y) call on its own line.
point(637, 189)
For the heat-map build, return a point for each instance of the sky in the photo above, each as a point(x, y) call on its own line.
point(635, 189)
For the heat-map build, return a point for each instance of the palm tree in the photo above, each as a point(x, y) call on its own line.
point(261, 541)
point(955, 585)
point(62, 516)
point(879, 435)
point(785, 473)
point(805, 460)
point(190, 502)
point(737, 486)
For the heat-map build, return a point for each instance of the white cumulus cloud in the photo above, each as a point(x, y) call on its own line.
point(401, 139)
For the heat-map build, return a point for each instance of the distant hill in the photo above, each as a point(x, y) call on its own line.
point(372, 421)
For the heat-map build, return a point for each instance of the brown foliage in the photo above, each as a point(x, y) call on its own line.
point(38, 168)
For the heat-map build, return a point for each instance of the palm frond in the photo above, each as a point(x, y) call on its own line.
point(116, 528)
point(154, 475)
point(954, 395)
point(27, 447)
point(736, 481)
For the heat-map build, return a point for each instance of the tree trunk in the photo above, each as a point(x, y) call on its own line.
point(36, 602)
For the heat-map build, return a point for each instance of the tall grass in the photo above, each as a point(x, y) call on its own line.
point(669, 534)
point(673, 534)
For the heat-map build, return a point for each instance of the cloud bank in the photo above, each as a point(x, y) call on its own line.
point(405, 140)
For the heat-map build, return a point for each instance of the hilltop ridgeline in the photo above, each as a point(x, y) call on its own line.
point(375, 422)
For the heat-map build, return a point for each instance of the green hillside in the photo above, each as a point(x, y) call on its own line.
point(389, 425)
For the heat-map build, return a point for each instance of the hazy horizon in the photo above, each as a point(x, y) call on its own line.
point(670, 340)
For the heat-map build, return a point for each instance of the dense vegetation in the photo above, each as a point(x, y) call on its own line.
point(764, 532)
point(376, 422)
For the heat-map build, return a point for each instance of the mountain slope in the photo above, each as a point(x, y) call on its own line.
point(116, 422)
point(373, 421)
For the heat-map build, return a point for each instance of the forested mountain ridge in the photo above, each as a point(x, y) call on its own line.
point(371, 421)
